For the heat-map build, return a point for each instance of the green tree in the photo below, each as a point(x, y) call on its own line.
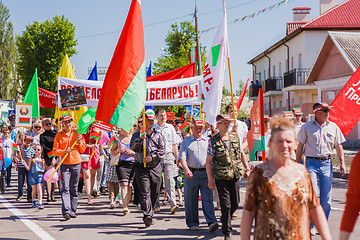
point(43, 46)
point(226, 92)
point(179, 40)
point(8, 87)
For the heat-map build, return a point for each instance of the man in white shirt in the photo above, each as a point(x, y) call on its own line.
point(171, 154)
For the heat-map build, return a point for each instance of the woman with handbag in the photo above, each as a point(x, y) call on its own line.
point(124, 168)
point(90, 163)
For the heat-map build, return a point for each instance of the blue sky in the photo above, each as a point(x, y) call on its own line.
point(98, 26)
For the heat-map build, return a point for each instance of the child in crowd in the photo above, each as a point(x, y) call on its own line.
point(8, 152)
point(112, 180)
point(36, 170)
point(26, 153)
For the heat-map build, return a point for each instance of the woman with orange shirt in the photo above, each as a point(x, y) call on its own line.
point(71, 166)
point(352, 207)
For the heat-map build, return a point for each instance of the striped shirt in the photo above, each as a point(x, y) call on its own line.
point(28, 154)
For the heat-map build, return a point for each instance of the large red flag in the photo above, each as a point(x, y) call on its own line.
point(241, 97)
point(124, 90)
point(256, 135)
point(179, 73)
point(346, 106)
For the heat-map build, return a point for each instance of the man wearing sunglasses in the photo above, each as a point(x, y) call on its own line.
point(317, 140)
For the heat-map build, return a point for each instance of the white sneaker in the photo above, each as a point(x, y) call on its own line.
point(312, 231)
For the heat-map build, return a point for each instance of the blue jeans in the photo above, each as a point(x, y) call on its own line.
point(22, 173)
point(191, 196)
point(321, 173)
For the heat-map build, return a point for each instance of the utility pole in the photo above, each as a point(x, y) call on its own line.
point(197, 42)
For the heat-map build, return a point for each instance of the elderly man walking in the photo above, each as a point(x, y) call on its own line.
point(193, 161)
point(317, 140)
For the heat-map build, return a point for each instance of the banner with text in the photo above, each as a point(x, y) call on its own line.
point(161, 93)
point(345, 111)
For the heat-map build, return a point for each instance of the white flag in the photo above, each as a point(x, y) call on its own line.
point(214, 70)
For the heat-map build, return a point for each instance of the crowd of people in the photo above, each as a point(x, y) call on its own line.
point(287, 195)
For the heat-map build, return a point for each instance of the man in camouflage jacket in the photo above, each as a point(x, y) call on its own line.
point(223, 163)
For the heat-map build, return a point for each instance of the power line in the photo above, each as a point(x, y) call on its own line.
point(168, 20)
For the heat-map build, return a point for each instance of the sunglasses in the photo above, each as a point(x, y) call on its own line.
point(37, 149)
point(47, 124)
point(326, 110)
point(37, 127)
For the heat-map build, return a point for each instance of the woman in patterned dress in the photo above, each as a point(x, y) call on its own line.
point(280, 195)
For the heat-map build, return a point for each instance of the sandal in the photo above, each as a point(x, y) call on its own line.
point(90, 203)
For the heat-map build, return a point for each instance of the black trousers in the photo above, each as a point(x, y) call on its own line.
point(229, 202)
point(148, 181)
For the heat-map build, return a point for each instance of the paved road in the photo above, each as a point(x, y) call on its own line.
point(19, 221)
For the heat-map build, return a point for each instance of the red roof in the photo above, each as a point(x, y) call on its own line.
point(302, 8)
point(343, 16)
point(290, 27)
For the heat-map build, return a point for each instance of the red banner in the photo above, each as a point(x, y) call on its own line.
point(183, 72)
point(47, 99)
point(346, 106)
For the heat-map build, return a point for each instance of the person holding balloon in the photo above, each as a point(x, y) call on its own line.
point(36, 174)
point(8, 153)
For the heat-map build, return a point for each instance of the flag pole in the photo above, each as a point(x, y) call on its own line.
point(62, 160)
point(144, 141)
point(232, 92)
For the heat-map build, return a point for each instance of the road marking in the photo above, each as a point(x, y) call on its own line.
point(28, 222)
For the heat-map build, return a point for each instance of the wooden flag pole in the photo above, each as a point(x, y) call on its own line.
point(93, 151)
point(232, 93)
point(62, 160)
point(23, 135)
point(144, 141)
point(58, 118)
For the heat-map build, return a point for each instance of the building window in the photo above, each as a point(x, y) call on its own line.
point(292, 63)
point(300, 101)
point(287, 105)
point(274, 107)
point(300, 61)
point(265, 112)
point(273, 73)
point(331, 96)
point(280, 71)
point(269, 108)
point(287, 65)
point(292, 102)
point(280, 107)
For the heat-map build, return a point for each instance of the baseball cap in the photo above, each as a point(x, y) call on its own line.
point(150, 114)
point(221, 117)
point(67, 117)
point(198, 121)
point(319, 106)
point(288, 114)
point(297, 111)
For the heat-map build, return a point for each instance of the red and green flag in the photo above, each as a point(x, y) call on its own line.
point(95, 135)
point(142, 131)
point(184, 126)
point(50, 154)
point(111, 141)
point(256, 135)
point(123, 93)
point(32, 96)
point(15, 147)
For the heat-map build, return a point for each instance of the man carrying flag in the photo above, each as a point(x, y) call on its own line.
point(148, 177)
point(68, 145)
point(214, 70)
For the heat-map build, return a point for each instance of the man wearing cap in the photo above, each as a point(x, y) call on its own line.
point(297, 119)
point(148, 170)
point(317, 140)
point(193, 161)
point(70, 168)
point(171, 154)
point(223, 163)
